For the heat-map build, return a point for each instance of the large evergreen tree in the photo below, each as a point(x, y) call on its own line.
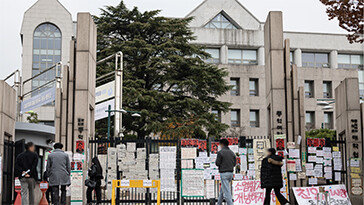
point(165, 77)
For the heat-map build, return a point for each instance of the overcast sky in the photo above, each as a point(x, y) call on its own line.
point(298, 15)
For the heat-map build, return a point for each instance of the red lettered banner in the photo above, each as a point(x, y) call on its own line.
point(202, 145)
point(306, 195)
point(310, 142)
point(280, 144)
point(248, 192)
point(214, 147)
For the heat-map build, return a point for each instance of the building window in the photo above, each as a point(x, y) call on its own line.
point(253, 87)
point(310, 120)
point(235, 118)
point(254, 118)
point(291, 57)
point(217, 114)
point(350, 61)
point(315, 60)
point(235, 83)
point(238, 56)
point(47, 39)
point(327, 89)
point(215, 55)
point(309, 89)
point(328, 122)
point(221, 21)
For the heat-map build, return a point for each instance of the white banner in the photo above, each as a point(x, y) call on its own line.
point(248, 192)
point(42, 98)
point(102, 107)
point(105, 91)
point(308, 195)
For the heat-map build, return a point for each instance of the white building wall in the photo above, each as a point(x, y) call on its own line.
point(44, 11)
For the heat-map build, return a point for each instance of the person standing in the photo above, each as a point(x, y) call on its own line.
point(226, 161)
point(95, 174)
point(271, 176)
point(26, 170)
point(58, 171)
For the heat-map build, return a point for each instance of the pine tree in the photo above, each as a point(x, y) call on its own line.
point(165, 76)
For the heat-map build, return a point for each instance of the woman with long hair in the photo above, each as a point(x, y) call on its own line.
point(95, 175)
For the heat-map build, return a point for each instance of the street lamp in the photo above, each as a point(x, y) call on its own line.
point(109, 111)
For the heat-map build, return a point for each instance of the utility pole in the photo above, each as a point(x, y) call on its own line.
point(118, 93)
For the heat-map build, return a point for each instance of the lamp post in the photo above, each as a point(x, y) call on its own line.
point(122, 111)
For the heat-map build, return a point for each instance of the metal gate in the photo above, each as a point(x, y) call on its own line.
point(8, 172)
point(132, 196)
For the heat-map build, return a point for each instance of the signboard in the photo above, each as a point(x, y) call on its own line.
point(105, 91)
point(42, 98)
point(307, 195)
point(101, 107)
point(193, 183)
point(259, 146)
point(76, 186)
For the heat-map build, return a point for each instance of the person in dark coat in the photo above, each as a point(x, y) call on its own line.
point(271, 176)
point(95, 174)
point(26, 170)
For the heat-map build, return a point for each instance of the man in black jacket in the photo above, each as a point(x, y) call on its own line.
point(271, 176)
point(26, 169)
point(226, 161)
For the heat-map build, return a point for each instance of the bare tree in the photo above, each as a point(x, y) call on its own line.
point(350, 16)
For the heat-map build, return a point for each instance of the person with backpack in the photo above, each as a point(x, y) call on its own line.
point(94, 181)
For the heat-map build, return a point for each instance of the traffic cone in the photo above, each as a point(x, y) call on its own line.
point(18, 198)
point(43, 201)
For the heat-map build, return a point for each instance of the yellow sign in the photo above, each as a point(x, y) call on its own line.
point(136, 184)
point(335, 149)
point(355, 175)
point(355, 170)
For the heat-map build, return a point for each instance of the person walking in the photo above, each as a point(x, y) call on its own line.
point(95, 174)
point(271, 176)
point(226, 161)
point(26, 170)
point(58, 172)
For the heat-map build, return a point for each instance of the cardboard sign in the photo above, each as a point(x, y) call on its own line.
point(307, 195)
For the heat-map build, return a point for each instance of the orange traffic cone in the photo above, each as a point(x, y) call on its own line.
point(18, 198)
point(43, 201)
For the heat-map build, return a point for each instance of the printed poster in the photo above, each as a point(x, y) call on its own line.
point(193, 182)
point(76, 186)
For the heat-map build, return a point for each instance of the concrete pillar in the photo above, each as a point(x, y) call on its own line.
point(333, 59)
point(7, 122)
point(349, 128)
point(85, 80)
point(261, 55)
point(275, 74)
point(224, 54)
point(297, 57)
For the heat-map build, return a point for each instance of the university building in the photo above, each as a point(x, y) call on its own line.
point(235, 39)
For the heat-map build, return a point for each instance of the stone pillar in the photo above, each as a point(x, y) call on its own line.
point(261, 55)
point(7, 121)
point(349, 129)
point(224, 54)
point(85, 80)
point(275, 74)
point(297, 57)
point(333, 59)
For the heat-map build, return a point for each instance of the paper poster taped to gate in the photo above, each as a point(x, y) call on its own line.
point(259, 146)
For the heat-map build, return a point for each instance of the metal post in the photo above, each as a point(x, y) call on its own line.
point(118, 92)
point(108, 122)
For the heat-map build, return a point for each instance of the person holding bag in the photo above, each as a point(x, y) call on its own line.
point(94, 181)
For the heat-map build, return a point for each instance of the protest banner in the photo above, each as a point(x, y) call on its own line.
point(248, 192)
point(308, 195)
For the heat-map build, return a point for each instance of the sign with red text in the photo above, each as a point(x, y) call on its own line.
point(248, 192)
point(308, 195)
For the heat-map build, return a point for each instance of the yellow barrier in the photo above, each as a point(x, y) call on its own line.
point(136, 184)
